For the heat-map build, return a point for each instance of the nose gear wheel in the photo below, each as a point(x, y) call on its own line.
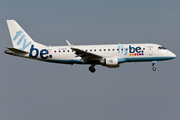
point(153, 68)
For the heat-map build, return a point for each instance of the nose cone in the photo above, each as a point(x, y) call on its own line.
point(172, 55)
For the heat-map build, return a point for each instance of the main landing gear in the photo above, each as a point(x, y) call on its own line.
point(153, 68)
point(92, 69)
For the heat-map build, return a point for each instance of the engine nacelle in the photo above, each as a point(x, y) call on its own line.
point(111, 62)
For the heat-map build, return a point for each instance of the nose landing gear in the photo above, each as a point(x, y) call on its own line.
point(92, 69)
point(153, 64)
point(154, 68)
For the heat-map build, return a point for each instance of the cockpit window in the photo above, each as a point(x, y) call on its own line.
point(163, 48)
point(160, 48)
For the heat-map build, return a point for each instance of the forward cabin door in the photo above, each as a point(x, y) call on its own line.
point(150, 49)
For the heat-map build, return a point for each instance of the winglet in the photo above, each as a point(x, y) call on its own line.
point(69, 43)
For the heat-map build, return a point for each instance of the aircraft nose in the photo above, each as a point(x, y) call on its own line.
point(172, 55)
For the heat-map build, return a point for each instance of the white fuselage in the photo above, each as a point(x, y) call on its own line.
point(127, 52)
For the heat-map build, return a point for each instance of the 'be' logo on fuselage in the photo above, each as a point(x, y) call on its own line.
point(34, 52)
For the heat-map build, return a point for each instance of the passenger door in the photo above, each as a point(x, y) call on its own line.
point(150, 50)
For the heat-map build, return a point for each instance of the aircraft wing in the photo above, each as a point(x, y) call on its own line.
point(86, 56)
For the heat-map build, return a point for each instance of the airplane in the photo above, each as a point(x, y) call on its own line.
point(111, 55)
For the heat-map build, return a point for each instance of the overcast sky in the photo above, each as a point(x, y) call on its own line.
point(33, 90)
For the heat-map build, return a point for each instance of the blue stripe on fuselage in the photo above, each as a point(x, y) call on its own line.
point(76, 61)
point(141, 59)
point(120, 60)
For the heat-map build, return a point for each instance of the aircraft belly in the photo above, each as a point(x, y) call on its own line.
point(143, 59)
point(64, 58)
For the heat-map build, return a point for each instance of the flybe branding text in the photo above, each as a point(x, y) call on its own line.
point(34, 52)
point(133, 51)
point(22, 39)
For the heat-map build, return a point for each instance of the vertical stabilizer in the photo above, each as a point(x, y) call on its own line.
point(20, 39)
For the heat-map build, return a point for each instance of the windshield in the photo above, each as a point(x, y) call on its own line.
point(161, 48)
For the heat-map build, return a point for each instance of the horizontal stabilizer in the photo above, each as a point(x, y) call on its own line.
point(17, 50)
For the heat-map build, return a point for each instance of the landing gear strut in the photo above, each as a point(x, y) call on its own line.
point(153, 68)
point(92, 69)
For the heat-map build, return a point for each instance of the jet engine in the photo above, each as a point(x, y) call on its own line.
point(111, 62)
